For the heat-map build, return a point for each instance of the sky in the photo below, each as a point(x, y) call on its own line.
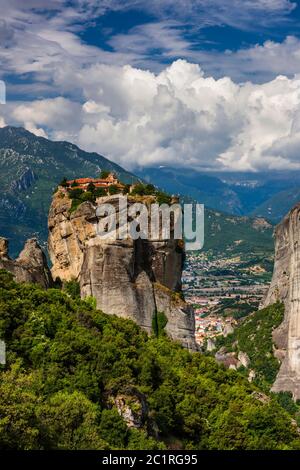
point(204, 84)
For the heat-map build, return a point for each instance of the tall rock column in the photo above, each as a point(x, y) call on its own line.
point(285, 287)
point(130, 278)
point(30, 266)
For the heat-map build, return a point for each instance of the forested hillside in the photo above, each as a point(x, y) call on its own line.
point(76, 378)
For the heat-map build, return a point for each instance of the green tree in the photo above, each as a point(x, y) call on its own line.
point(99, 192)
point(104, 174)
point(72, 288)
point(63, 182)
point(75, 193)
point(91, 187)
point(113, 429)
point(70, 421)
point(113, 189)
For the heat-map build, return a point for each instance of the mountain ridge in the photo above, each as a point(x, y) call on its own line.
point(30, 169)
point(265, 194)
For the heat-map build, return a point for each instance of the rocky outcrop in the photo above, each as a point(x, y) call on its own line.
point(133, 407)
point(244, 359)
point(24, 182)
point(30, 266)
point(285, 287)
point(129, 278)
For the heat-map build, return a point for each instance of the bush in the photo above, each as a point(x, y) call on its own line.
point(104, 174)
point(99, 192)
point(75, 193)
point(159, 323)
point(63, 182)
point(72, 288)
point(113, 189)
point(113, 429)
point(87, 196)
point(91, 187)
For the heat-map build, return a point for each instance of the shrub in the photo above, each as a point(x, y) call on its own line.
point(72, 288)
point(75, 193)
point(113, 189)
point(99, 192)
point(104, 174)
point(159, 323)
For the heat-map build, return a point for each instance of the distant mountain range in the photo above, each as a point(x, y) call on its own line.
point(268, 195)
point(31, 167)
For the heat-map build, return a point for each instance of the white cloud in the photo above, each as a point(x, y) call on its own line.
point(43, 41)
point(180, 115)
point(176, 117)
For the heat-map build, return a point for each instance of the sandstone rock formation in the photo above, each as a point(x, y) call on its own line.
point(133, 407)
point(244, 359)
point(130, 278)
point(30, 266)
point(285, 287)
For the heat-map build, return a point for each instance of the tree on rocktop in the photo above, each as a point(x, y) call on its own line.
point(104, 174)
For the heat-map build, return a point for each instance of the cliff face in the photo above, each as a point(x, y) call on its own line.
point(285, 286)
point(30, 266)
point(129, 278)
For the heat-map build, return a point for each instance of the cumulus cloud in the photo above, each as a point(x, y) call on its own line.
point(205, 117)
point(179, 117)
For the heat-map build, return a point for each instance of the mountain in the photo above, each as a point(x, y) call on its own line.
point(266, 194)
point(279, 204)
point(226, 234)
point(30, 169)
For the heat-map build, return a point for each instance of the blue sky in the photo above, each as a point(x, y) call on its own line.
point(203, 27)
point(146, 34)
point(94, 72)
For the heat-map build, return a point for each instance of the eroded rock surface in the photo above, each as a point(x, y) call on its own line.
point(129, 278)
point(30, 266)
point(285, 287)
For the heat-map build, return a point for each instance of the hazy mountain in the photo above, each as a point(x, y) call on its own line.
point(267, 194)
point(31, 167)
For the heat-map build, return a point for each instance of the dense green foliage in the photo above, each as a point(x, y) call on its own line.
point(237, 235)
point(254, 337)
point(67, 362)
point(142, 189)
point(72, 288)
point(113, 189)
point(159, 323)
point(104, 174)
point(235, 307)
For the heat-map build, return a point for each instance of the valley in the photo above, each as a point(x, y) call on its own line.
point(224, 289)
